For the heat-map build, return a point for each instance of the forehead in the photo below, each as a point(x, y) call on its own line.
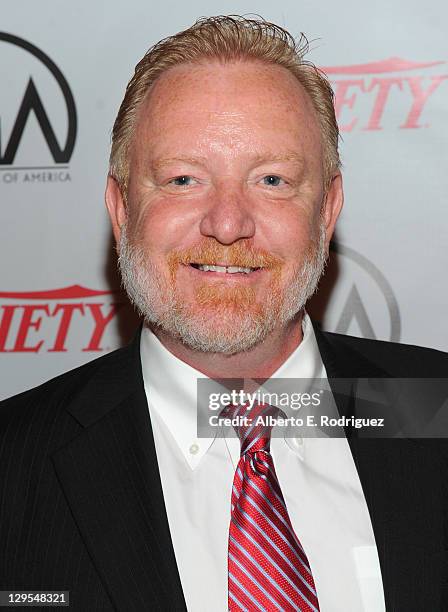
point(237, 99)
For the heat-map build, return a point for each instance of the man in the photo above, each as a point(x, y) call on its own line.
point(223, 193)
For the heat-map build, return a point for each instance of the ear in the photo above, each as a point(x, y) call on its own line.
point(116, 206)
point(332, 207)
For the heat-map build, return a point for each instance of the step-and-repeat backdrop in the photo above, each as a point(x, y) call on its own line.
point(64, 67)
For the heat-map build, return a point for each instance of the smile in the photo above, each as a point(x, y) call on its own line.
point(223, 269)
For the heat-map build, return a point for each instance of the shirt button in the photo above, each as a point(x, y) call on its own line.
point(194, 449)
point(299, 441)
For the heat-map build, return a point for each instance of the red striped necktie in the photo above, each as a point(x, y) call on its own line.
point(267, 566)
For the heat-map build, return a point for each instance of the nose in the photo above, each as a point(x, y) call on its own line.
point(228, 217)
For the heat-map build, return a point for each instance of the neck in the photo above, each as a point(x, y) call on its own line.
point(259, 362)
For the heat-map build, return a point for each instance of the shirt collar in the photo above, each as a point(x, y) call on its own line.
point(171, 388)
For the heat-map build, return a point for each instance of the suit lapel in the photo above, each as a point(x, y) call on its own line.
point(400, 491)
point(342, 369)
point(110, 478)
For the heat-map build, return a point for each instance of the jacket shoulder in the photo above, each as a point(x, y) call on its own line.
point(45, 402)
point(39, 422)
point(398, 360)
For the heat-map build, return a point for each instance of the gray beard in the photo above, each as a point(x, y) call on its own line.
point(160, 306)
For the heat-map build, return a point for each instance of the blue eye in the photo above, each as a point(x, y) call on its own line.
point(272, 180)
point(182, 181)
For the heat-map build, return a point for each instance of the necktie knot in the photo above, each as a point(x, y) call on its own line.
point(253, 425)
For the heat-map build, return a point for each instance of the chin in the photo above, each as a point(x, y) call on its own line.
point(227, 330)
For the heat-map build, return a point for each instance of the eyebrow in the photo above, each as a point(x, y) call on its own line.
point(282, 157)
point(161, 163)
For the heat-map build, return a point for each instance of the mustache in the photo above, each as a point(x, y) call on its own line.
point(240, 254)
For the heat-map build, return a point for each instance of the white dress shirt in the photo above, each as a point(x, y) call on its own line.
point(317, 476)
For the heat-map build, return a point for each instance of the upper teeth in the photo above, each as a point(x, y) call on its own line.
point(228, 269)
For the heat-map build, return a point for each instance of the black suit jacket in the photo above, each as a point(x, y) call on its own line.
point(82, 509)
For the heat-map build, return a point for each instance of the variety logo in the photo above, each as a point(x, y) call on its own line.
point(38, 100)
point(392, 92)
point(51, 321)
point(355, 298)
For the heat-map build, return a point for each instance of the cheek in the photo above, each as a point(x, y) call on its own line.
point(162, 226)
point(290, 233)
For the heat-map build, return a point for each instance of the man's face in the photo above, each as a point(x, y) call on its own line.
point(225, 171)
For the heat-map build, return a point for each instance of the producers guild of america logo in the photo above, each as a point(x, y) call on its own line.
point(356, 298)
point(37, 114)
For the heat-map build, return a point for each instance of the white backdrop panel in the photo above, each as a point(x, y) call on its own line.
point(389, 67)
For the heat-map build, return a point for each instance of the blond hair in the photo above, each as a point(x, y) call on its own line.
point(227, 39)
